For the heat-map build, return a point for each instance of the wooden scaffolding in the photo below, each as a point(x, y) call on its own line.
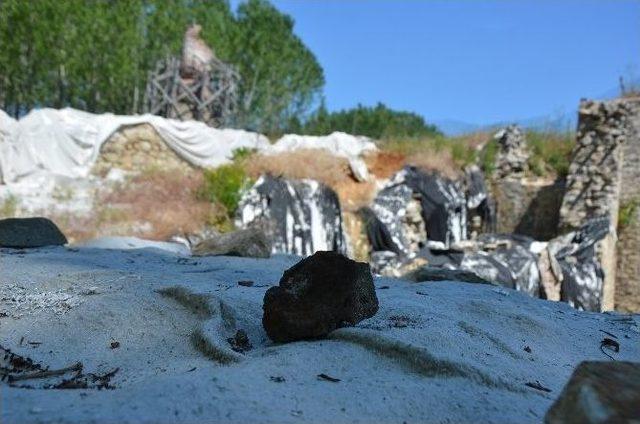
point(210, 96)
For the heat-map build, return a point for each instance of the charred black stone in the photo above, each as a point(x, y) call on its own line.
point(317, 295)
point(30, 232)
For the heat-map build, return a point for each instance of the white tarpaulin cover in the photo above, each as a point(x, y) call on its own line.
point(340, 144)
point(67, 141)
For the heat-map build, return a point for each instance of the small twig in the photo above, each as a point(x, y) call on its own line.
point(612, 335)
point(48, 373)
point(537, 386)
point(328, 378)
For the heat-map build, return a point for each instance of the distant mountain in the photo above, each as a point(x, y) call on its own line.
point(452, 127)
point(560, 123)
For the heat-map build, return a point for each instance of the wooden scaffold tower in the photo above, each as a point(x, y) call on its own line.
point(199, 86)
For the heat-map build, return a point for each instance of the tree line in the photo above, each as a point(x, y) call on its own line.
point(96, 55)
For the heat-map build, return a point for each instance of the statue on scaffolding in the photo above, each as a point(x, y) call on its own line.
point(198, 86)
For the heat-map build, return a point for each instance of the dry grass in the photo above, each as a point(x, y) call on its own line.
point(446, 155)
point(435, 161)
point(153, 205)
point(316, 164)
point(383, 164)
point(353, 195)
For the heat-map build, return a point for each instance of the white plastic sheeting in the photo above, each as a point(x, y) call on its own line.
point(67, 142)
point(349, 146)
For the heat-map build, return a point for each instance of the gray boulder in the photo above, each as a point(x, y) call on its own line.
point(430, 273)
point(317, 295)
point(599, 392)
point(252, 243)
point(30, 232)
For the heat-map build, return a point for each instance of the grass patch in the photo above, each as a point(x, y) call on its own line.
point(224, 185)
point(447, 155)
point(550, 153)
point(627, 213)
point(316, 164)
point(488, 156)
point(9, 206)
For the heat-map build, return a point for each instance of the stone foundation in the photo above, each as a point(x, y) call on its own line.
point(138, 148)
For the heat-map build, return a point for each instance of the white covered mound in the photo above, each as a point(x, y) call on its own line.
point(435, 352)
point(67, 142)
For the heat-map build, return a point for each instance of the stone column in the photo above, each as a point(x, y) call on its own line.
point(598, 177)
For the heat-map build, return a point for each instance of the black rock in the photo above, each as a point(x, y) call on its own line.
point(429, 273)
point(599, 392)
point(317, 295)
point(30, 232)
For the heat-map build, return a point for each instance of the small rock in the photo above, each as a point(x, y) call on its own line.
point(599, 392)
point(251, 243)
point(430, 273)
point(240, 342)
point(114, 344)
point(317, 295)
point(90, 291)
point(30, 232)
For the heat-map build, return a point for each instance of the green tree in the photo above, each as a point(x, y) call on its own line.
point(377, 122)
point(95, 55)
point(281, 77)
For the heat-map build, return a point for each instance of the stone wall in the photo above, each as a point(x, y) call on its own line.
point(528, 206)
point(138, 148)
point(627, 291)
point(605, 175)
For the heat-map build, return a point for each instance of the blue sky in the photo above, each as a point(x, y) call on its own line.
point(475, 61)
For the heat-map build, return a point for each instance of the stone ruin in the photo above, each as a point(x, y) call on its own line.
point(527, 206)
point(604, 181)
point(138, 147)
point(588, 224)
point(595, 209)
point(513, 155)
